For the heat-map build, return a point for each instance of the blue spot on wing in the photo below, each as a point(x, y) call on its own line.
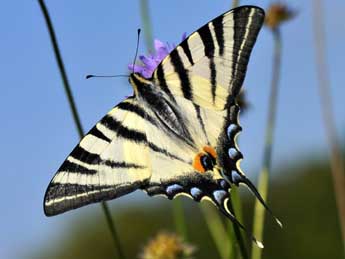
point(173, 189)
point(233, 153)
point(196, 193)
point(220, 195)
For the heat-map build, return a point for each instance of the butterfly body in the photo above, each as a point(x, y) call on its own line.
point(177, 133)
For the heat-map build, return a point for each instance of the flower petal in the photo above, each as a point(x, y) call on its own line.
point(152, 60)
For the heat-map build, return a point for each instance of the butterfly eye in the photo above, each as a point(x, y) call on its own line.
point(207, 162)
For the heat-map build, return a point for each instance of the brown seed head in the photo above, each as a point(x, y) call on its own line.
point(278, 13)
point(167, 246)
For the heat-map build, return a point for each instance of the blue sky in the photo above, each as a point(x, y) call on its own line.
point(37, 132)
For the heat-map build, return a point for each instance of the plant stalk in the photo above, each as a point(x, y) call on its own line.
point(336, 159)
point(234, 230)
point(75, 114)
point(235, 3)
point(147, 25)
point(259, 210)
point(217, 230)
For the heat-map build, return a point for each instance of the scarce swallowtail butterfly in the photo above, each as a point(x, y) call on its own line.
point(177, 133)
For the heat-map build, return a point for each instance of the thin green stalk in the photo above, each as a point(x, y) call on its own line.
point(236, 230)
point(75, 115)
point(180, 219)
point(337, 162)
point(235, 3)
point(147, 26)
point(178, 211)
point(233, 251)
point(259, 210)
point(217, 230)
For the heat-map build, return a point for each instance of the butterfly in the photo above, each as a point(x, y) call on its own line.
point(177, 133)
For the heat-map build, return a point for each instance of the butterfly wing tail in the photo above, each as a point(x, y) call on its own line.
point(240, 178)
point(222, 201)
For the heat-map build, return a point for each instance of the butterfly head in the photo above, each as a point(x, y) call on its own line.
point(137, 81)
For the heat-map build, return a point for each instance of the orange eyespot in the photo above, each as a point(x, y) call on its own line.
point(197, 163)
point(205, 160)
point(211, 151)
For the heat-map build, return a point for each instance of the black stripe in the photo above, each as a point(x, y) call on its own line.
point(219, 31)
point(85, 156)
point(213, 79)
point(186, 50)
point(157, 149)
point(198, 115)
point(71, 167)
point(182, 73)
point(123, 131)
point(137, 110)
point(162, 82)
point(206, 37)
point(239, 64)
point(114, 164)
point(97, 133)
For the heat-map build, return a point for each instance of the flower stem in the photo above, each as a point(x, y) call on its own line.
point(259, 210)
point(235, 3)
point(217, 230)
point(236, 231)
point(337, 163)
point(74, 111)
point(179, 219)
point(146, 20)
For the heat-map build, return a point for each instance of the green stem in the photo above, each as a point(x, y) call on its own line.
point(236, 229)
point(179, 219)
point(74, 111)
point(337, 162)
point(235, 3)
point(147, 26)
point(259, 210)
point(217, 230)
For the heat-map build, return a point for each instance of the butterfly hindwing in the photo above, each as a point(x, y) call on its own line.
point(209, 66)
point(175, 173)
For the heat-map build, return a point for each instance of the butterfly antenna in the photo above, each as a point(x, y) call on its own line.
point(136, 51)
point(91, 76)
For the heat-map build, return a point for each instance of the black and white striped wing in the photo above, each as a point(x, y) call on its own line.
point(209, 66)
point(110, 161)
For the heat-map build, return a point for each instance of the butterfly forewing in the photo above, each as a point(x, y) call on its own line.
point(209, 66)
point(110, 161)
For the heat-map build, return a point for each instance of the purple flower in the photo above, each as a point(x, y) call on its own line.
point(151, 61)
